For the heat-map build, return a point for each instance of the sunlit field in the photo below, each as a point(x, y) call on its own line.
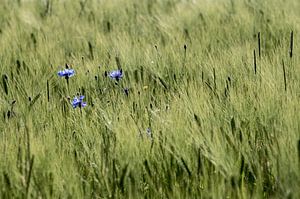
point(150, 99)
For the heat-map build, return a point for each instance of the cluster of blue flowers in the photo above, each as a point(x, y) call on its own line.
point(78, 100)
point(116, 74)
point(66, 73)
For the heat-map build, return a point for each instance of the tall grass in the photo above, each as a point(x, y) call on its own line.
point(204, 117)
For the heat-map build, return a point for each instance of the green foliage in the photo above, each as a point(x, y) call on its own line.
point(220, 126)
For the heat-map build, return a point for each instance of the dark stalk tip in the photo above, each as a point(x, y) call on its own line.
point(259, 46)
point(284, 76)
point(291, 44)
point(254, 62)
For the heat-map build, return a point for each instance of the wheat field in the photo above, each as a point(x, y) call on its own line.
point(182, 99)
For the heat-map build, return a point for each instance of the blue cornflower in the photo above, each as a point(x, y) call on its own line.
point(77, 102)
point(116, 74)
point(149, 132)
point(66, 73)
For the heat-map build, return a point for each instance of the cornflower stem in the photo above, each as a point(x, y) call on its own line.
point(67, 79)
